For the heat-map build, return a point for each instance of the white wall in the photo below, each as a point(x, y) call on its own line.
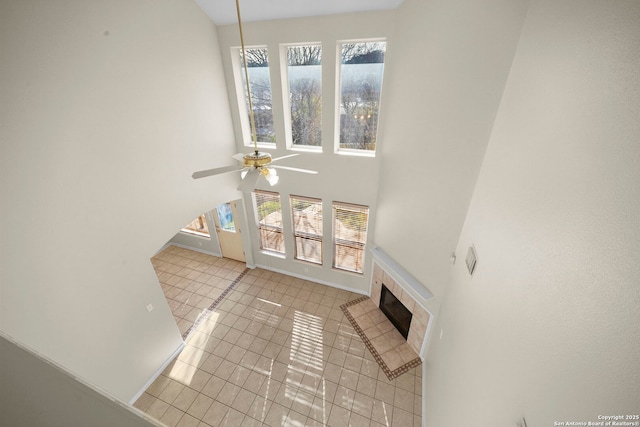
point(343, 178)
point(549, 327)
point(108, 107)
point(446, 71)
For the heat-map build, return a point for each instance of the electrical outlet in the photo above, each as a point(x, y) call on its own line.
point(149, 308)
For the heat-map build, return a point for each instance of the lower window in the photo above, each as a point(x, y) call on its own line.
point(349, 236)
point(269, 212)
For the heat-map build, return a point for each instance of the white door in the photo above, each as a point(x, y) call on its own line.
point(228, 231)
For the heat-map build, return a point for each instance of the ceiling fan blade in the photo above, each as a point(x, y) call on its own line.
point(239, 157)
point(283, 157)
point(295, 169)
point(249, 179)
point(216, 171)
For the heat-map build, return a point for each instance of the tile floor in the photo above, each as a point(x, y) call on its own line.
point(275, 351)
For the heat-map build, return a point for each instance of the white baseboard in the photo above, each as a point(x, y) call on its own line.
point(310, 279)
point(157, 373)
point(191, 248)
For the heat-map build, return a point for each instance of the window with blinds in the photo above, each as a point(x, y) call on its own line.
point(306, 214)
point(269, 212)
point(349, 236)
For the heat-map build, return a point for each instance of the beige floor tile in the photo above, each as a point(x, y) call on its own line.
point(198, 380)
point(200, 406)
point(339, 417)
point(184, 400)
point(259, 408)
point(233, 418)
point(188, 421)
point(144, 402)
point(366, 385)
point(172, 416)
point(228, 394)
point(362, 404)
point(276, 415)
point(357, 420)
point(349, 379)
point(382, 412)
point(404, 400)
point(344, 397)
point(385, 392)
point(401, 418)
point(215, 414)
point(157, 408)
point(243, 401)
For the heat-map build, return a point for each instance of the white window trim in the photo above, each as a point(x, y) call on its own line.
point(338, 86)
point(286, 104)
point(245, 126)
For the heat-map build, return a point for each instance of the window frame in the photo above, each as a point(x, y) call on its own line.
point(286, 101)
point(338, 89)
point(269, 228)
point(194, 232)
point(305, 234)
point(359, 246)
point(241, 94)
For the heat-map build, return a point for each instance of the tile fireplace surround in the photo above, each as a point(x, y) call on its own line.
point(408, 290)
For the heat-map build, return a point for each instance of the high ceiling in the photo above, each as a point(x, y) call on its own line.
point(223, 12)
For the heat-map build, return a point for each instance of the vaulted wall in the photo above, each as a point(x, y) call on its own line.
point(108, 107)
point(548, 326)
point(447, 68)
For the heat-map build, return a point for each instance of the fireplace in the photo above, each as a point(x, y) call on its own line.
point(395, 311)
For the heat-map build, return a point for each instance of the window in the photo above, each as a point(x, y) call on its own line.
point(198, 227)
point(258, 70)
point(304, 72)
point(349, 236)
point(360, 89)
point(307, 228)
point(225, 217)
point(269, 212)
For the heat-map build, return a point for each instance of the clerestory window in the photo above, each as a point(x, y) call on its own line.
point(361, 70)
point(304, 96)
point(260, 81)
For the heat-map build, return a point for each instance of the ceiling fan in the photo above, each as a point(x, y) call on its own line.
point(256, 163)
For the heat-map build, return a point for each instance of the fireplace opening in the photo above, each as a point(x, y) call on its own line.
point(395, 311)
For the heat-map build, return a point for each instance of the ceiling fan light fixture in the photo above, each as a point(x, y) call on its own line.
point(271, 175)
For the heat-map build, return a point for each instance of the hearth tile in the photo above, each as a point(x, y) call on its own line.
point(392, 359)
point(365, 321)
point(395, 338)
point(381, 344)
point(368, 305)
point(378, 316)
point(386, 326)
